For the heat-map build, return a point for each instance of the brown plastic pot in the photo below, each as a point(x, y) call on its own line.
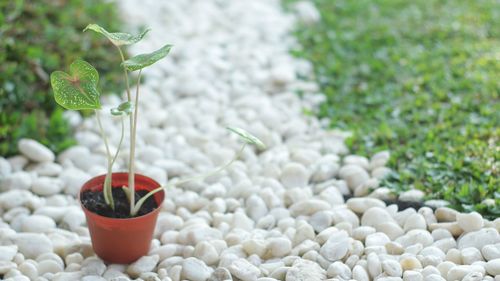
point(118, 240)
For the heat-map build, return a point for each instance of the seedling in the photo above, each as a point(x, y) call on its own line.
point(77, 90)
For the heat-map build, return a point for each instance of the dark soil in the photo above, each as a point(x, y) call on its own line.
point(94, 202)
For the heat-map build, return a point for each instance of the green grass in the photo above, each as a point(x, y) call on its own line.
point(422, 79)
point(36, 38)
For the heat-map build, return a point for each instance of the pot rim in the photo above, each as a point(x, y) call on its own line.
point(95, 215)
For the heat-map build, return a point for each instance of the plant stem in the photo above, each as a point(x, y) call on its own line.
point(203, 176)
point(120, 142)
point(125, 73)
point(131, 176)
point(108, 196)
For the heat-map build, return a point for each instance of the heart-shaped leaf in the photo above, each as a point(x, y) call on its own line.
point(247, 137)
point(143, 60)
point(117, 38)
point(77, 90)
point(123, 109)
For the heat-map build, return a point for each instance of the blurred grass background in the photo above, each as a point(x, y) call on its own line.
point(422, 79)
point(36, 38)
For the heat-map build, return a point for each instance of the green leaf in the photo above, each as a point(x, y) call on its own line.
point(143, 60)
point(123, 109)
point(247, 137)
point(77, 90)
point(117, 38)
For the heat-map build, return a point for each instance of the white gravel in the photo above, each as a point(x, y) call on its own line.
point(277, 214)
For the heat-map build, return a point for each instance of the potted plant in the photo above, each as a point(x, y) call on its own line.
point(121, 208)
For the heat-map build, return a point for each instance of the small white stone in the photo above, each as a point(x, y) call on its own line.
point(305, 270)
point(294, 175)
point(458, 272)
point(196, 270)
point(332, 195)
point(51, 266)
point(321, 220)
point(303, 231)
point(354, 175)
point(325, 169)
point(256, 207)
point(416, 236)
point(74, 258)
point(471, 255)
point(470, 222)
point(434, 277)
point(46, 186)
point(374, 265)
point(473, 276)
point(433, 251)
point(6, 266)
point(94, 278)
point(383, 193)
point(73, 180)
point(493, 267)
point(29, 269)
point(445, 214)
point(255, 247)
point(361, 232)
point(73, 219)
point(413, 195)
point(441, 233)
point(244, 270)
point(206, 252)
point(454, 255)
point(392, 268)
point(17, 180)
point(379, 159)
point(336, 247)
point(381, 172)
point(491, 252)
point(411, 275)
point(339, 270)
point(35, 150)
point(356, 160)
point(415, 221)
point(31, 245)
point(93, 266)
point(360, 205)
point(7, 253)
point(359, 273)
point(377, 239)
point(279, 246)
point(37, 224)
point(308, 207)
point(479, 239)
point(345, 215)
point(410, 263)
point(5, 168)
point(375, 216)
point(66, 276)
point(47, 169)
point(220, 274)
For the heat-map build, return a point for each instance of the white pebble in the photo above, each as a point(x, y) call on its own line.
point(37, 224)
point(294, 175)
point(196, 270)
point(470, 222)
point(35, 150)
